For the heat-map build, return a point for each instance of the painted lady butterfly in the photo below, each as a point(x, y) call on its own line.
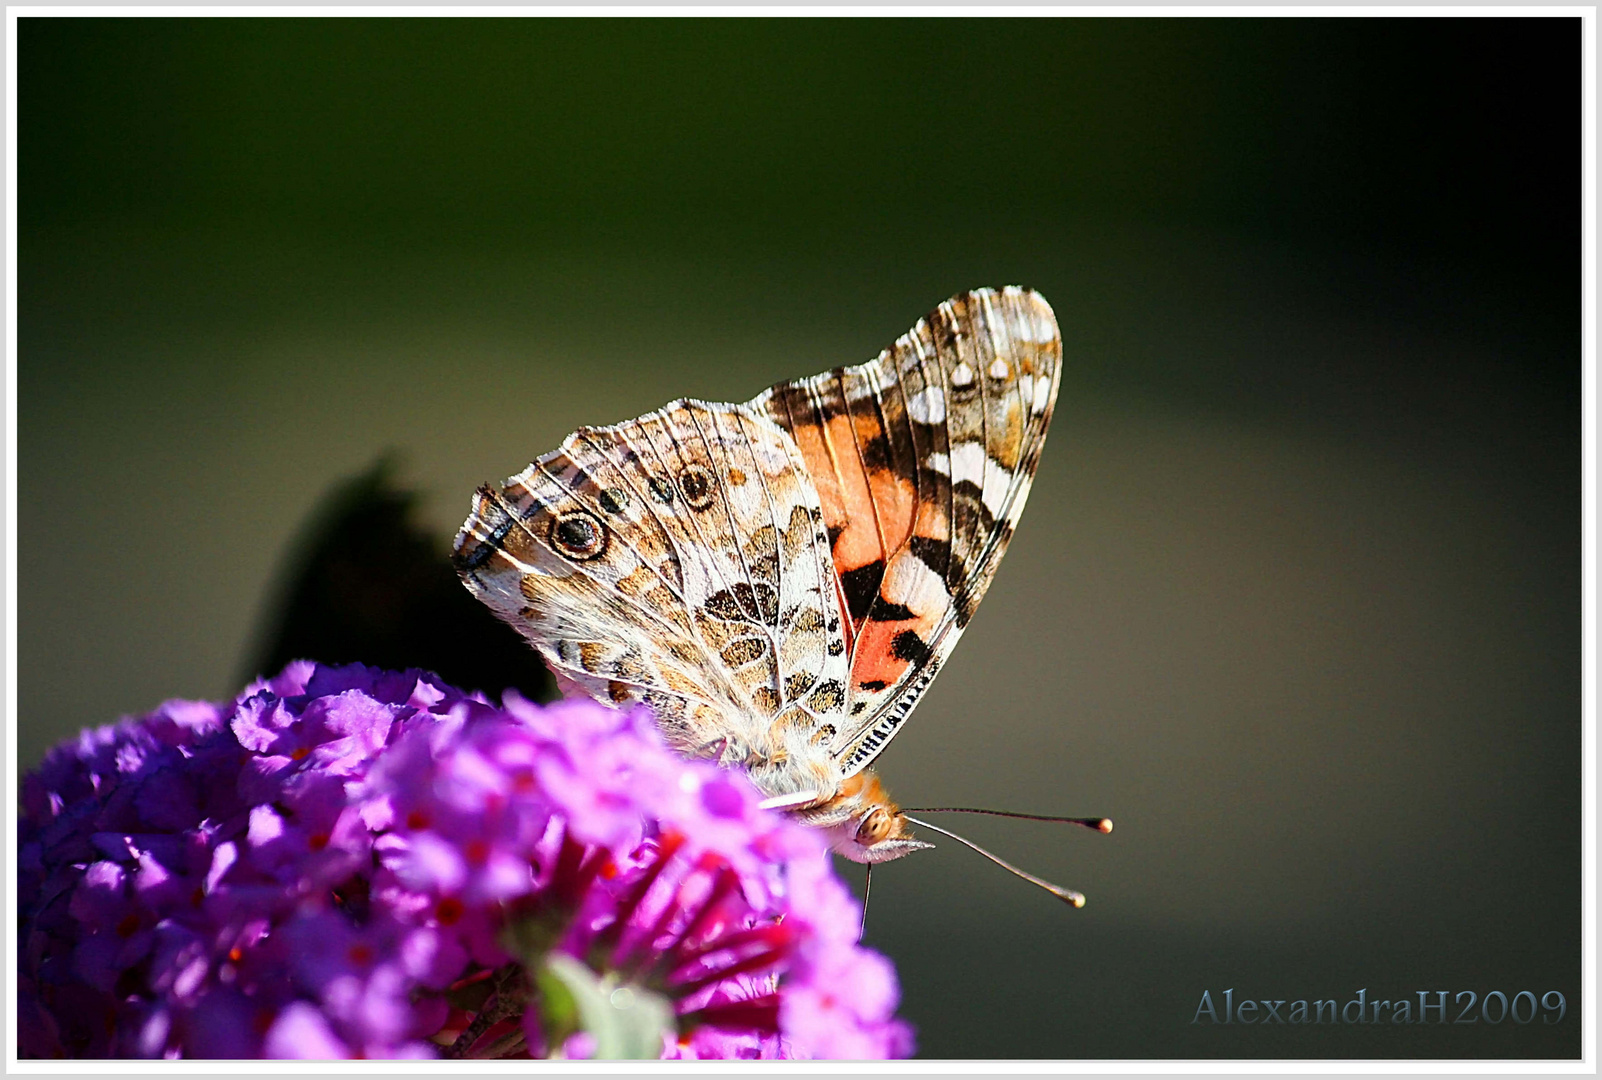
point(781, 580)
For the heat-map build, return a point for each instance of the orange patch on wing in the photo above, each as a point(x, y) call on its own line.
point(1006, 449)
point(933, 522)
point(858, 543)
point(874, 659)
point(878, 505)
point(809, 438)
point(520, 544)
point(679, 683)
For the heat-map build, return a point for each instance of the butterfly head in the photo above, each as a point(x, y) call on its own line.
point(862, 822)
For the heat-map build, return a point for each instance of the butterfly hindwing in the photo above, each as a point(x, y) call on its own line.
point(549, 557)
point(953, 416)
point(711, 579)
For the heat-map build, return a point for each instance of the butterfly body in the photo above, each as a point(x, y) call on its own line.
point(781, 580)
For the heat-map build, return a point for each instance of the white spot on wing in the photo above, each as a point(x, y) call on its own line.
point(967, 461)
point(939, 463)
point(909, 582)
point(998, 368)
point(1042, 395)
point(962, 375)
point(997, 481)
point(927, 406)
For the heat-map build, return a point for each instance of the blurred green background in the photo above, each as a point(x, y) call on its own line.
point(1295, 601)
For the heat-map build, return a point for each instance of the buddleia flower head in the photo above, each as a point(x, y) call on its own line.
point(352, 862)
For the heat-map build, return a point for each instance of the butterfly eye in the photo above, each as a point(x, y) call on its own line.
point(696, 483)
point(578, 535)
point(874, 828)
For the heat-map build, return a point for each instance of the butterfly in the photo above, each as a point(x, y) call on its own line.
point(780, 581)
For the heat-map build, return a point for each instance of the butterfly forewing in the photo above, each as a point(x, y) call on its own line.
point(953, 415)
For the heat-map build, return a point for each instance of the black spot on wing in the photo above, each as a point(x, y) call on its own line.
point(699, 489)
point(861, 587)
point(885, 611)
point(828, 697)
point(908, 646)
point(723, 605)
point(579, 536)
point(762, 601)
point(745, 604)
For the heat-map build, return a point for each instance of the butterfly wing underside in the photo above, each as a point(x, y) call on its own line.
point(922, 460)
point(679, 560)
point(781, 580)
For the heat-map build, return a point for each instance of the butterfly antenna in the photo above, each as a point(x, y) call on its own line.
point(867, 889)
point(1068, 896)
point(1099, 824)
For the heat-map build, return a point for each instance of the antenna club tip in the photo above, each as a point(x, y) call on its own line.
point(1075, 899)
point(1105, 825)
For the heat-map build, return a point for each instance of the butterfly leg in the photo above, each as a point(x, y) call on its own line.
point(723, 751)
point(867, 889)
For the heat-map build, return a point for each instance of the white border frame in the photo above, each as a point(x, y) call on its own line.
point(1588, 1006)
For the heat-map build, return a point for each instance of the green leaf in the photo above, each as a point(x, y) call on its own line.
point(628, 1021)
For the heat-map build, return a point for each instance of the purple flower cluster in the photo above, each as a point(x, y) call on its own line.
point(350, 862)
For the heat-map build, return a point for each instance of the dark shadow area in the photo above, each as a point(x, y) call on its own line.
point(365, 584)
